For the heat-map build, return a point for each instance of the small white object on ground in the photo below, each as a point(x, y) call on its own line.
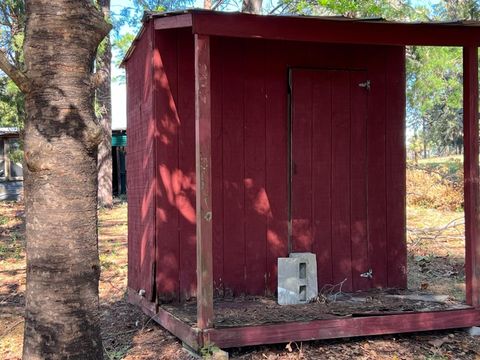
point(473, 331)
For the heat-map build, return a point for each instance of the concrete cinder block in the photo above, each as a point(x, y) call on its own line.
point(311, 272)
point(288, 281)
point(297, 279)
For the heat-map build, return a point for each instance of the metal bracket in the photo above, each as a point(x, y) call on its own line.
point(368, 274)
point(365, 85)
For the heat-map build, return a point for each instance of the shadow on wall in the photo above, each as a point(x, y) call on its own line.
point(249, 234)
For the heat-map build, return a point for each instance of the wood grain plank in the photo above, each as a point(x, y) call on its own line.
point(377, 232)
point(256, 202)
point(184, 177)
point(301, 167)
point(216, 62)
point(203, 159)
point(172, 22)
point(331, 31)
point(358, 180)
point(166, 116)
point(396, 168)
point(233, 166)
point(345, 327)
point(341, 244)
point(322, 174)
point(276, 160)
point(141, 165)
point(471, 175)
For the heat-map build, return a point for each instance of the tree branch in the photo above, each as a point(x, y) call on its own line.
point(13, 73)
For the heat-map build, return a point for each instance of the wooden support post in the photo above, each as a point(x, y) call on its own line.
point(471, 175)
point(204, 182)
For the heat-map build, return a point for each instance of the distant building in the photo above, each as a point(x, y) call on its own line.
point(119, 170)
point(11, 171)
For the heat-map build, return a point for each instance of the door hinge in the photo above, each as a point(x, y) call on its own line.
point(368, 274)
point(365, 85)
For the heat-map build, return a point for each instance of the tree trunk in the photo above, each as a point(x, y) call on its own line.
point(424, 138)
point(104, 99)
point(252, 6)
point(61, 139)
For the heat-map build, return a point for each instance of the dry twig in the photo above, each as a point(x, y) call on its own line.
point(330, 291)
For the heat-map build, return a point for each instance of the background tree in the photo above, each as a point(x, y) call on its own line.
point(252, 6)
point(127, 22)
point(348, 8)
point(12, 23)
point(434, 98)
point(132, 15)
point(61, 137)
point(434, 85)
point(103, 66)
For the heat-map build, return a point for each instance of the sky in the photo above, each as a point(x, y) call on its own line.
point(119, 94)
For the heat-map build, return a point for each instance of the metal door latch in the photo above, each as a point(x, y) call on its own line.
point(365, 85)
point(368, 274)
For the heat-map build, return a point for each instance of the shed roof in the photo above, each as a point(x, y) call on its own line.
point(324, 29)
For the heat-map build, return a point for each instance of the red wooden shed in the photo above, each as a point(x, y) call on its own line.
point(251, 137)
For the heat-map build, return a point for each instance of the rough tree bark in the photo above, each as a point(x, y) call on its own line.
point(252, 6)
point(60, 170)
point(104, 99)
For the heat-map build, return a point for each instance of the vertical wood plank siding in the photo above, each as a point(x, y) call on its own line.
point(175, 169)
point(168, 175)
point(141, 166)
point(376, 163)
point(359, 180)
point(250, 165)
point(186, 185)
point(395, 167)
point(248, 214)
point(232, 140)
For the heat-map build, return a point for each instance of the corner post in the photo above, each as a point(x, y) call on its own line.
point(471, 175)
point(204, 182)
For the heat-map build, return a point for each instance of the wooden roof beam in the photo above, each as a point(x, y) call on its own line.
point(173, 22)
point(334, 30)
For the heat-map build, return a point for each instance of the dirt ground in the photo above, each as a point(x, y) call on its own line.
point(435, 263)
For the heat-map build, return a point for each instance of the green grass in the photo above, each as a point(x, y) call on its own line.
point(443, 159)
point(3, 220)
point(454, 163)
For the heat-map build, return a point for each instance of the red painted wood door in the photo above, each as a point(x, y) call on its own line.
point(328, 203)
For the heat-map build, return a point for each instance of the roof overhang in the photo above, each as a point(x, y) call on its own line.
point(339, 30)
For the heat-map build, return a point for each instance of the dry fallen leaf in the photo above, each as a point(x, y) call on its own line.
point(439, 342)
